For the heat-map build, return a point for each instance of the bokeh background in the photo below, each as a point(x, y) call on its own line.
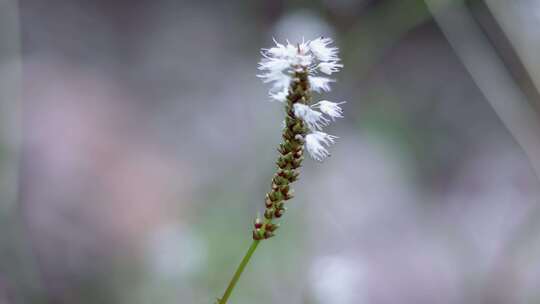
point(136, 145)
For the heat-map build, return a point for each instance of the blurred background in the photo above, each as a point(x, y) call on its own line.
point(136, 145)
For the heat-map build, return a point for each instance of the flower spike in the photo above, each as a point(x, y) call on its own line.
point(292, 70)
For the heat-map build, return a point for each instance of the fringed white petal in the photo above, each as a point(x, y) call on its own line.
point(320, 48)
point(314, 119)
point(329, 67)
point(329, 108)
point(315, 144)
point(319, 84)
point(280, 96)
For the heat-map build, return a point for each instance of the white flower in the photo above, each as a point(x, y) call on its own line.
point(275, 72)
point(303, 48)
point(315, 144)
point(280, 96)
point(329, 67)
point(284, 56)
point(303, 58)
point(280, 62)
point(314, 119)
point(329, 108)
point(319, 84)
point(319, 48)
point(280, 81)
point(288, 64)
point(280, 50)
point(273, 65)
point(301, 61)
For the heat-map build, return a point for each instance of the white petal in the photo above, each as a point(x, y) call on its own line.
point(302, 60)
point(314, 119)
point(280, 80)
point(319, 84)
point(303, 48)
point(319, 48)
point(315, 144)
point(329, 108)
point(280, 50)
point(329, 67)
point(273, 64)
point(280, 96)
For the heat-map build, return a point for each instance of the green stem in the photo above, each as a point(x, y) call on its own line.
point(239, 271)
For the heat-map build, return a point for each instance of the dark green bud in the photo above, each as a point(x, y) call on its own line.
point(269, 213)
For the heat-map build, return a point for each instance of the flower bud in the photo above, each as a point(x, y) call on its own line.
point(289, 195)
point(278, 180)
point(258, 224)
point(269, 213)
point(293, 177)
point(298, 128)
point(268, 203)
point(271, 227)
point(268, 234)
point(290, 122)
point(288, 157)
point(257, 234)
point(281, 149)
point(287, 135)
point(297, 162)
point(276, 196)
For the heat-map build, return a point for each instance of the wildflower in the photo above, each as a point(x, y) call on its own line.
point(320, 83)
point(280, 96)
point(319, 47)
point(314, 119)
point(329, 108)
point(292, 70)
point(329, 67)
point(315, 142)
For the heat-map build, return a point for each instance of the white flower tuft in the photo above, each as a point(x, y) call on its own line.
point(319, 84)
point(329, 108)
point(282, 60)
point(280, 50)
point(314, 119)
point(315, 144)
point(288, 63)
point(329, 67)
point(280, 96)
point(319, 48)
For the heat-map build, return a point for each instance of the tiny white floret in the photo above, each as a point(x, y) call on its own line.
point(329, 67)
point(320, 48)
point(314, 119)
point(329, 108)
point(319, 84)
point(315, 144)
point(280, 96)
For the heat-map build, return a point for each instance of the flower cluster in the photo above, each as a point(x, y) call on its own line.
point(285, 64)
point(292, 70)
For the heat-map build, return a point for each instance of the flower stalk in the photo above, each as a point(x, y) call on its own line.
point(291, 151)
point(292, 70)
point(239, 272)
